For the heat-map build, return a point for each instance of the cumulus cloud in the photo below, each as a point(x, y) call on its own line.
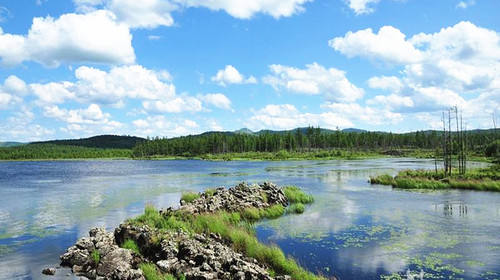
point(218, 100)
point(314, 79)
point(116, 86)
point(95, 37)
point(388, 45)
point(11, 92)
point(457, 65)
point(90, 115)
point(20, 127)
point(287, 116)
point(143, 14)
point(368, 115)
point(231, 75)
point(154, 13)
point(244, 9)
point(159, 125)
point(178, 104)
point(360, 7)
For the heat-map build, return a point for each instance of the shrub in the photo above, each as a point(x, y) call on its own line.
point(96, 257)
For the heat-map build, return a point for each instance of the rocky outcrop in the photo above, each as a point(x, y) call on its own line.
point(197, 257)
point(236, 199)
point(98, 257)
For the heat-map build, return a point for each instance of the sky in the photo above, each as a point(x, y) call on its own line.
point(73, 69)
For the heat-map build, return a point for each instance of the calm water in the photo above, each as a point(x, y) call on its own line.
point(352, 231)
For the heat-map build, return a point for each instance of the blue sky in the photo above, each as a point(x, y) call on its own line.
point(71, 69)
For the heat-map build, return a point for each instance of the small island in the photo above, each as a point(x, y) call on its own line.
point(210, 236)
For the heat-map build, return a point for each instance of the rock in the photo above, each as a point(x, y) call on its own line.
point(49, 271)
point(197, 256)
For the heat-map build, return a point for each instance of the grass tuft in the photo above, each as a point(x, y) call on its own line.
point(190, 196)
point(297, 208)
point(131, 245)
point(96, 257)
point(296, 195)
point(151, 272)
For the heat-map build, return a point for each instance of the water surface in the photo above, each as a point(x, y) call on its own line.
point(352, 231)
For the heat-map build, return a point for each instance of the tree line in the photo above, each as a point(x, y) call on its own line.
point(302, 140)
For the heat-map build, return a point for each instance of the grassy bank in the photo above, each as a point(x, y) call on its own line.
point(480, 179)
point(236, 228)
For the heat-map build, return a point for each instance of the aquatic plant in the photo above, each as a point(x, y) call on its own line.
point(295, 195)
point(297, 208)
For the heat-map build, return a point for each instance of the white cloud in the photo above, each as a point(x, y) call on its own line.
point(182, 103)
point(91, 115)
point(362, 6)
point(95, 37)
point(20, 127)
point(387, 83)
point(153, 13)
point(53, 92)
point(154, 37)
point(287, 116)
point(143, 14)
point(314, 80)
point(133, 82)
point(231, 75)
point(245, 9)
point(161, 126)
point(11, 91)
point(457, 65)
point(365, 114)
point(119, 85)
point(389, 46)
point(465, 4)
point(218, 100)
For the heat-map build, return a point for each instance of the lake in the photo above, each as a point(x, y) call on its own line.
point(352, 231)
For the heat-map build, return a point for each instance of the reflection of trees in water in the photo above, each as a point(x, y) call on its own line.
point(449, 209)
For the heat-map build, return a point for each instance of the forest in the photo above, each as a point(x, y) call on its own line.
point(307, 140)
point(310, 142)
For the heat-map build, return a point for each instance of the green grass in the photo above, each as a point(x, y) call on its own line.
point(190, 196)
point(297, 208)
point(210, 192)
point(480, 179)
point(151, 272)
point(96, 257)
point(236, 229)
point(131, 245)
point(296, 195)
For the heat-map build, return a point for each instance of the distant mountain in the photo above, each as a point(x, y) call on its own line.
point(11, 144)
point(243, 131)
point(354, 130)
point(101, 141)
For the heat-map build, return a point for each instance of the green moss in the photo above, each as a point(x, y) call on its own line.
point(131, 245)
point(210, 192)
point(296, 195)
point(190, 196)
